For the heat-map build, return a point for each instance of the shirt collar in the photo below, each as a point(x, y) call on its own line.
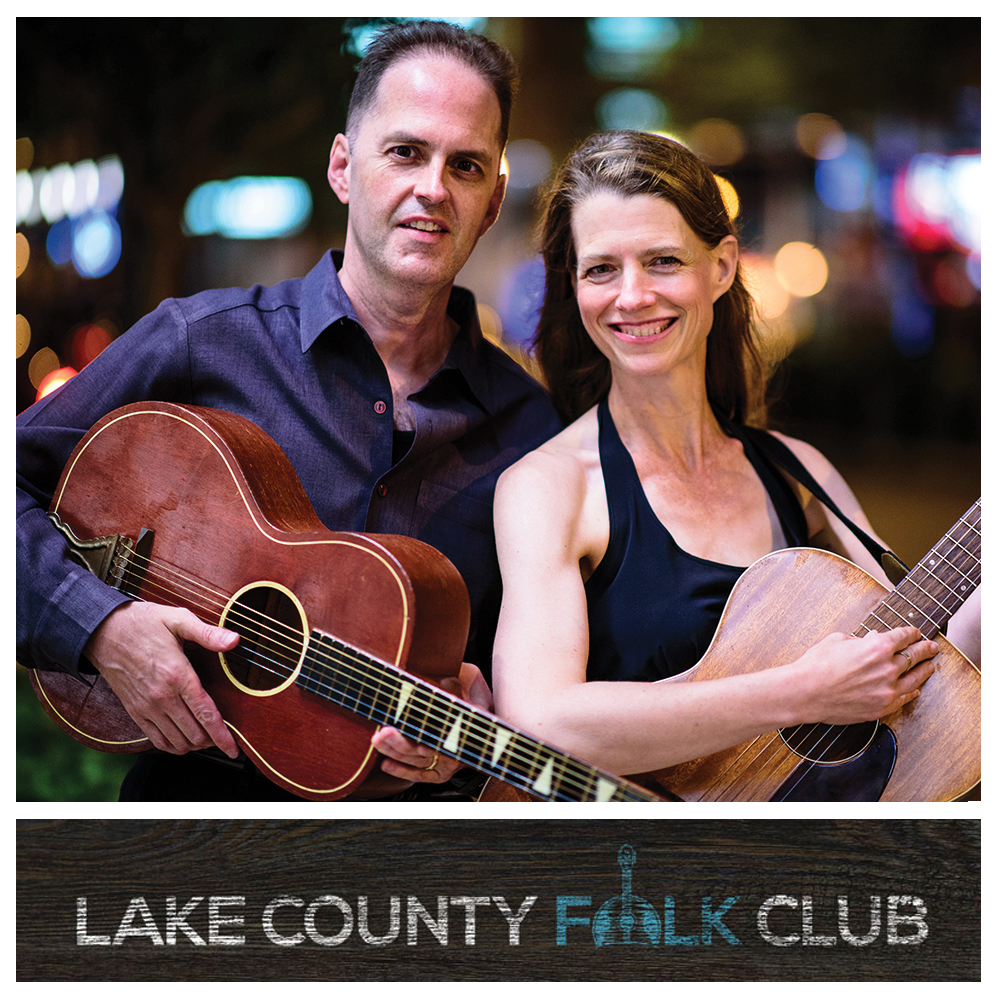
point(324, 304)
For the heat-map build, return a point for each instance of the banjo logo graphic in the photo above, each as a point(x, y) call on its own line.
point(628, 919)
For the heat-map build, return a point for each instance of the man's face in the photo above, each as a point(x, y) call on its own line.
point(421, 173)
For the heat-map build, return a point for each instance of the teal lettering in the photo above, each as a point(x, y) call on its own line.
point(564, 920)
point(713, 918)
point(670, 935)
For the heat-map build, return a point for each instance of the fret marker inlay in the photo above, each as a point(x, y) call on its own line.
point(604, 790)
point(500, 742)
point(452, 743)
point(543, 783)
point(405, 690)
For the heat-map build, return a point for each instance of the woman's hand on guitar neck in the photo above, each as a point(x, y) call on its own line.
point(414, 762)
point(847, 680)
point(138, 649)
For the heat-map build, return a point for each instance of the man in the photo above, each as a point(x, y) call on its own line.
point(372, 376)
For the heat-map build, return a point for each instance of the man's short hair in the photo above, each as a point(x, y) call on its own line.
point(398, 41)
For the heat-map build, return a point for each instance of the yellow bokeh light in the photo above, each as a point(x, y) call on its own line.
point(490, 323)
point(719, 141)
point(801, 269)
point(25, 153)
point(729, 196)
point(820, 136)
point(45, 361)
point(769, 294)
point(23, 334)
point(23, 253)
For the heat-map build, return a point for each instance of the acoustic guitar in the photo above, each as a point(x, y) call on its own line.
point(929, 750)
point(340, 632)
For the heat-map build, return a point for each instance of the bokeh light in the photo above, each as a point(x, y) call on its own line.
point(489, 321)
point(23, 335)
point(843, 182)
point(248, 208)
point(801, 269)
point(53, 380)
point(42, 362)
point(87, 341)
point(718, 141)
point(23, 253)
point(729, 196)
point(820, 136)
point(65, 191)
point(96, 244)
point(630, 107)
point(768, 292)
point(622, 48)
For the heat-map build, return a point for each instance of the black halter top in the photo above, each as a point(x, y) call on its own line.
point(652, 607)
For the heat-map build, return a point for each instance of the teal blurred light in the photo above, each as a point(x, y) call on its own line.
point(248, 208)
point(361, 31)
point(622, 48)
point(629, 107)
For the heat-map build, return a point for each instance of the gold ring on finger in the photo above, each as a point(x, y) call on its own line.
point(432, 764)
point(909, 662)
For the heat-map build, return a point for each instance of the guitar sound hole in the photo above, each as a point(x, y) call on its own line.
point(272, 634)
point(829, 744)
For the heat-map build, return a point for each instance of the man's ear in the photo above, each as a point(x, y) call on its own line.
point(726, 257)
point(339, 171)
point(496, 200)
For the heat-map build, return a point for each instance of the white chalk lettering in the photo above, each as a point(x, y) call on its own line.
point(514, 920)
point(394, 923)
point(346, 926)
point(177, 921)
point(82, 936)
point(874, 921)
point(267, 922)
point(138, 907)
point(894, 919)
point(438, 926)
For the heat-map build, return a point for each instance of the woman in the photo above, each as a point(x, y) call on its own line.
point(621, 538)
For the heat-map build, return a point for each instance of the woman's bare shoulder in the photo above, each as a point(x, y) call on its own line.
point(564, 461)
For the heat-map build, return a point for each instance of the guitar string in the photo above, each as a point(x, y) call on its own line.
point(821, 737)
point(278, 633)
point(945, 558)
point(836, 730)
point(817, 742)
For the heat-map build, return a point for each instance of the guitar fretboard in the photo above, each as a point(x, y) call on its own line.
point(938, 585)
point(385, 695)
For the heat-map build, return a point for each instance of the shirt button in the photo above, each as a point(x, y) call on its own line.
point(381, 489)
point(380, 406)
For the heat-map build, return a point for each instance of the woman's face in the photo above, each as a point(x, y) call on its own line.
point(645, 283)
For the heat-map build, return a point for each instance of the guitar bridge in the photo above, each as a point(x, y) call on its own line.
point(111, 558)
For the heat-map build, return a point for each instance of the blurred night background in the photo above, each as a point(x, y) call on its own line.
point(157, 157)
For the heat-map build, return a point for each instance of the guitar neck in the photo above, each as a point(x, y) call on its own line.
point(384, 694)
point(939, 584)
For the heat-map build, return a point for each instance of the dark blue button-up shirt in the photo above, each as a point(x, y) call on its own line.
point(294, 359)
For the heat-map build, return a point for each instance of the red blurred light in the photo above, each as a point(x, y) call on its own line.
point(53, 380)
point(87, 342)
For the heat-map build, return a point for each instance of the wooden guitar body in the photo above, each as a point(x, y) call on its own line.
point(235, 539)
point(782, 605)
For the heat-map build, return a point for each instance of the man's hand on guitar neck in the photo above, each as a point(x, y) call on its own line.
point(413, 762)
point(139, 651)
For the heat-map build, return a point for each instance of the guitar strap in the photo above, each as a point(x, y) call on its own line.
point(782, 456)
